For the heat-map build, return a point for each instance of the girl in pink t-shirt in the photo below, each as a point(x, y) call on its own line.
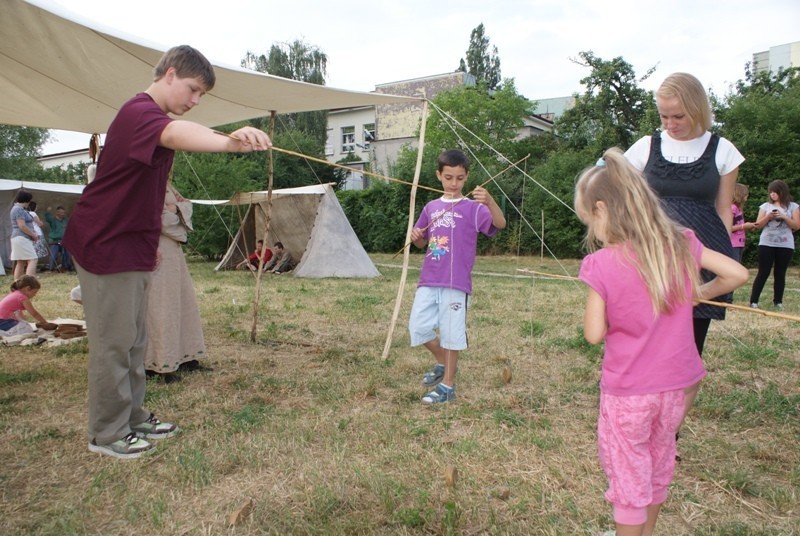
point(14, 306)
point(643, 280)
point(740, 194)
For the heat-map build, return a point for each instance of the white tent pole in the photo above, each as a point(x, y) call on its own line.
point(406, 251)
point(260, 272)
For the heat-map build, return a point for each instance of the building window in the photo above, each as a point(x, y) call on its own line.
point(369, 134)
point(348, 139)
point(329, 142)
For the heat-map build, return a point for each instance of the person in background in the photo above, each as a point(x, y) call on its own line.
point(281, 261)
point(40, 245)
point(113, 236)
point(23, 237)
point(642, 282)
point(174, 328)
point(252, 261)
point(740, 195)
point(14, 306)
point(778, 219)
point(58, 224)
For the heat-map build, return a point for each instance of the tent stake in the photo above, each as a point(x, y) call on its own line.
point(270, 174)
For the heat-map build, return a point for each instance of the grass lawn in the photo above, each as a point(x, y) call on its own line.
point(325, 437)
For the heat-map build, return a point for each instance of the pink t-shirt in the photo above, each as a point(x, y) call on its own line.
point(452, 239)
point(738, 236)
point(11, 304)
point(645, 353)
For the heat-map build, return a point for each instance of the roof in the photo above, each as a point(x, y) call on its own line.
point(60, 71)
point(6, 184)
point(248, 198)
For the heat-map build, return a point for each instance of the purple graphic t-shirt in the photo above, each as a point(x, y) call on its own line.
point(452, 237)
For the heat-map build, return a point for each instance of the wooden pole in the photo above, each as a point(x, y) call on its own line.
point(270, 174)
point(541, 236)
point(407, 250)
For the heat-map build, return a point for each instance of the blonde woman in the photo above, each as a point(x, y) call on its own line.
point(693, 172)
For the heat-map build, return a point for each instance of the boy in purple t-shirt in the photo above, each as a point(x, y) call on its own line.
point(448, 228)
point(113, 237)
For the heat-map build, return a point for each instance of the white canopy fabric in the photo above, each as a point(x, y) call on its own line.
point(58, 71)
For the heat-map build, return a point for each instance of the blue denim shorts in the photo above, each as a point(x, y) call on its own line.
point(439, 308)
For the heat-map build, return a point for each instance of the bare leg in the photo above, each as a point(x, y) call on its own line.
point(31, 267)
point(448, 358)
point(19, 269)
point(641, 530)
point(689, 394)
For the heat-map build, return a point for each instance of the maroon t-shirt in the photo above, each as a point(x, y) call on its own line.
point(117, 221)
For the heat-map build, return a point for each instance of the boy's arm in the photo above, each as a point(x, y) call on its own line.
point(181, 135)
point(481, 195)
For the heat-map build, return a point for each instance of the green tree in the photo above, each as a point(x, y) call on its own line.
point(482, 60)
point(761, 116)
point(296, 61)
point(19, 148)
point(611, 111)
point(494, 121)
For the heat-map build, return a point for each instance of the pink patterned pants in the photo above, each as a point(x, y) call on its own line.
point(636, 444)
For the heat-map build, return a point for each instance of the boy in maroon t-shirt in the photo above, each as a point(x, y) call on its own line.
point(113, 237)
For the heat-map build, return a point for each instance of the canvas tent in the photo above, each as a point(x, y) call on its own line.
point(45, 194)
point(312, 226)
point(58, 70)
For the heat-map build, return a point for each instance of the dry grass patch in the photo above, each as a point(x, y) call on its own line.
point(327, 438)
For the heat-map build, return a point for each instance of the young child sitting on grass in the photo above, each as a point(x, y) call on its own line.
point(14, 306)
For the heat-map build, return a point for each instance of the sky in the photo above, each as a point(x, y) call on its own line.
point(380, 41)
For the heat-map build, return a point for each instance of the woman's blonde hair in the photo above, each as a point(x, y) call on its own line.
point(636, 222)
point(740, 193)
point(692, 96)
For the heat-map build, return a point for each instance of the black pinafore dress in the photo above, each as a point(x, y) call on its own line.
point(688, 194)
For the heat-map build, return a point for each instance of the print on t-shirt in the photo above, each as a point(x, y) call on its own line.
point(438, 246)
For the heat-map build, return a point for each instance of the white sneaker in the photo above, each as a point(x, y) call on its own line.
point(754, 305)
point(130, 446)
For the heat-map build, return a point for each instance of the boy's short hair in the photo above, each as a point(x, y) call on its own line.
point(279, 245)
point(453, 158)
point(188, 63)
point(23, 196)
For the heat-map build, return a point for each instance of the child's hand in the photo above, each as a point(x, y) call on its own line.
point(417, 234)
point(481, 195)
point(252, 139)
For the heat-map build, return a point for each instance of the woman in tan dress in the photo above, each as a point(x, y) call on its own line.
point(174, 328)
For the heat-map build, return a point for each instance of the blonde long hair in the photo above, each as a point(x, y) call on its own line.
point(636, 222)
point(692, 96)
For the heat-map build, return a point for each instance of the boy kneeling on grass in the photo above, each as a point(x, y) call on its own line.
point(448, 228)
